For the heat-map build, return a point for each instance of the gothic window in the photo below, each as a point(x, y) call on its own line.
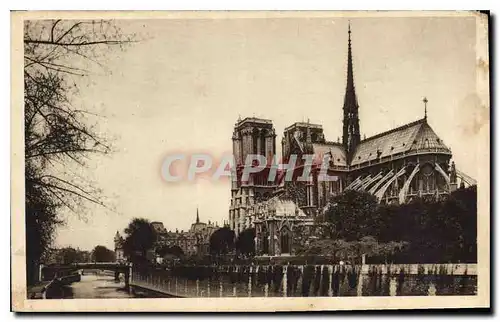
point(262, 144)
point(427, 170)
point(265, 241)
point(335, 186)
point(427, 178)
point(414, 183)
point(255, 138)
point(285, 240)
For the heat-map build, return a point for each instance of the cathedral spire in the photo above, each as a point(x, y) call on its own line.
point(351, 136)
point(308, 134)
point(350, 77)
point(197, 216)
point(425, 100)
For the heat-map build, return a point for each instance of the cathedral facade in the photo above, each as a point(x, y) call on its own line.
point(395, 166)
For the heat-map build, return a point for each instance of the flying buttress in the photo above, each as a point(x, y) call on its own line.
point(362, 183)
point(443, 174)
point(352, 184)
point(375, 187)
point(470, 181)
point(403, 192)
point(367, 184)
point(380, 193)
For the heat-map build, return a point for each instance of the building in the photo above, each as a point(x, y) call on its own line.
point(160, 232)
point(119, 253)
point(250, 136)
point(183, 239)
point(196, 240)
point(202, 232)
point(395, 166)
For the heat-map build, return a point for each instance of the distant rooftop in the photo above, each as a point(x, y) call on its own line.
point(253, 120)
point(304, 124)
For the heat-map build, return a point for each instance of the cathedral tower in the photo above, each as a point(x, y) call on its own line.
point(351, 136)
point(251, 136)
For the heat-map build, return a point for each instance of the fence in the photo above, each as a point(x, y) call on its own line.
point(310, 280)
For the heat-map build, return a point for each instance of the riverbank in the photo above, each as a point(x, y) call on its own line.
point(310, 280)
point(36, 292)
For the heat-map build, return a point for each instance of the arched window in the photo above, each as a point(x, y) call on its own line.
point(265, 241)
point(285, 240)
point(428, 178)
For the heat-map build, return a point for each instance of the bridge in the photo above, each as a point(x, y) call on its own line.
point(49, 272)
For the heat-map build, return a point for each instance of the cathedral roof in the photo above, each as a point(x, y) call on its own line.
point(338, 155)
point(254, 120)
point(198, 226)
point(410, 137)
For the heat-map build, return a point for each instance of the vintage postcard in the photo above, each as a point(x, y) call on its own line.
point(250, 161)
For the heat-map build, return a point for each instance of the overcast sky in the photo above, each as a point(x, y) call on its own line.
point(184, 85)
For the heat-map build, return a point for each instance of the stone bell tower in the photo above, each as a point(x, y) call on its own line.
point(250, 136)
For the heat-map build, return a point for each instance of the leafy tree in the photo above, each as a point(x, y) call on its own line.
point(325, 247)
point(222, 241)
point(339, 249)
point(140, 237)
point(103, 254)
point(176, 251)
point(245, 243)
point(422, 231)
point(351, 215)
point(58, 136)
point(165, 250)
point(444, 231)
point(391, 249)
point(162, 250)
point(69, 255)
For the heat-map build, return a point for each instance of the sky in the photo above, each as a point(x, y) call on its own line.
point(183, 86)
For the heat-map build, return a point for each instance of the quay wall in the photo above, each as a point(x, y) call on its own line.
point(310, 280)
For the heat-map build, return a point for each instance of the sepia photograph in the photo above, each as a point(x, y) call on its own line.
point(250, 161)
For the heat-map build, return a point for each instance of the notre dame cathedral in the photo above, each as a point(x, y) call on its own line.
point(395, 166)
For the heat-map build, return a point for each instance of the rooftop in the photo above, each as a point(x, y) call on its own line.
point(413, 136)
point(304, 124)
point(253, 120)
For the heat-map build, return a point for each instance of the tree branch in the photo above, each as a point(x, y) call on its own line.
point(83, 43)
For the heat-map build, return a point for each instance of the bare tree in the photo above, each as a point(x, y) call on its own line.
point(59, 136)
